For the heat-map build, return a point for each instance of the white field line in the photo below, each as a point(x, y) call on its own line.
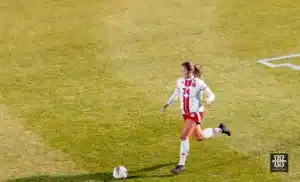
point(268, 63)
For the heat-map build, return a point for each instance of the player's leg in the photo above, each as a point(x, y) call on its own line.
point(188, 129)
point(209, 132)
point(184, 145)
point(206, 133)
point(198, 133)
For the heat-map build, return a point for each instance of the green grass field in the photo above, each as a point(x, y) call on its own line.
point(83, 83)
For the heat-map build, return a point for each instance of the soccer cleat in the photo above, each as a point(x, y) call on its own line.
point(224, 129)
point(178, 169)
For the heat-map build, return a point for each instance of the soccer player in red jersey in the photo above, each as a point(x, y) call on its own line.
point(189, 89)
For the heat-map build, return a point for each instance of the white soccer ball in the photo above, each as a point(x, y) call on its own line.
point(120, 172)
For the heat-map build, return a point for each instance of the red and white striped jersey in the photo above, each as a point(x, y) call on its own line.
point(190, 93)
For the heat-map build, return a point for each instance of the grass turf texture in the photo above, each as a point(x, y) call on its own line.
point(90, 78)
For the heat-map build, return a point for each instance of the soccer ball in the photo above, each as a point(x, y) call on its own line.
point(120, 172)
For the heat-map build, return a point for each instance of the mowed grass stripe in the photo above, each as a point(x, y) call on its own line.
point(108, 113)
point(266, 102)
point(25, 154)
point(241, 108)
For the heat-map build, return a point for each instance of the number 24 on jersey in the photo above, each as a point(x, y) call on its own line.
point(186, 91)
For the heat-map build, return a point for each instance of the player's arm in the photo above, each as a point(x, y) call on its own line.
point(207, 91)
point(210, 96)
point(173, 97)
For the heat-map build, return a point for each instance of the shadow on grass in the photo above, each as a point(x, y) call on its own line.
point(101, 176)
point(107, 176)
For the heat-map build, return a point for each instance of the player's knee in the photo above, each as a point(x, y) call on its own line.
point(183, 137)
point(199, 138)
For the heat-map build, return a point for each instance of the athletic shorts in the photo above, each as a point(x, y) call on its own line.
point(196, 117)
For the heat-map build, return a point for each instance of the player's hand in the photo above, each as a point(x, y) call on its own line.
point(206, 103)
point(165, 108)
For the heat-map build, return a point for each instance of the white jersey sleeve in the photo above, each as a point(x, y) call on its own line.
point(174, 95)
point(207, 91)
point(202, 85)
point(210, 95)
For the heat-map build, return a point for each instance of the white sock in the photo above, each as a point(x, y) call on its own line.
point(184, 150)
point(210, 132)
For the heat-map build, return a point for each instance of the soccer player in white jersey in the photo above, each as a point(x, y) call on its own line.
point(189, 89)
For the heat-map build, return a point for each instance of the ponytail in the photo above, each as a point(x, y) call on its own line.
point(198, 70)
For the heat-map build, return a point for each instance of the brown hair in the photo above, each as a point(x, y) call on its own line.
point(197, 70)
point(188, 65)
